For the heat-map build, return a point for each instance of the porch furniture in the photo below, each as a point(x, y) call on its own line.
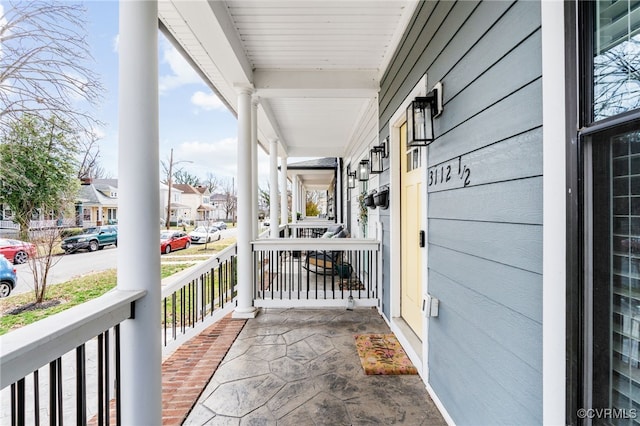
point(329, 262)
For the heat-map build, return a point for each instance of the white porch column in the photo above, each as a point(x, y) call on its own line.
point(303, 203)
point(138, 240)
point(273, 186)
point(245, 308)
point(294, 199)
point(284, 208)
point(254, 169)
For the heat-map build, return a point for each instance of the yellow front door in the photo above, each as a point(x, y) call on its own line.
point(410, 216)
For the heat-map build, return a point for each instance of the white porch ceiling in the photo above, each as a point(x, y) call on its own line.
point(314, 65)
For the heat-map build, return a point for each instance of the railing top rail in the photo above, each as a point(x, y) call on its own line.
point(313, 224)
point(54, 336)
point(316, 244)
point(177, 281)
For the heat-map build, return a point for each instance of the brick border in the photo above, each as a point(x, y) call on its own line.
point(186, 373)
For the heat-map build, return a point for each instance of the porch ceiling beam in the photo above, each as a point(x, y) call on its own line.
point(211, 27)
point(319, 84)
point(270, 129)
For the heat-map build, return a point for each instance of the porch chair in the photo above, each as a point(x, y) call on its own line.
point(329, 262)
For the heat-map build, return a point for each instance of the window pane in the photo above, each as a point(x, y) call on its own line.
point(616, 275)
point(616, 64)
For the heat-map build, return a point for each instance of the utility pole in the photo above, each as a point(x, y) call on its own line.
point(167, 224)
point(170, 183)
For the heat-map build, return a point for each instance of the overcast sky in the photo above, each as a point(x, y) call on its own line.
point(193, 121)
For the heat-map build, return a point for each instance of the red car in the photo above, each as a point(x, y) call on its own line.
point(173, 240)
point(17, 251)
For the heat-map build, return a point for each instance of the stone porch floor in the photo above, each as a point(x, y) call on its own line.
point(300, 367)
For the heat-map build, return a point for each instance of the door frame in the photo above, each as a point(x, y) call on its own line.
point(416, 351)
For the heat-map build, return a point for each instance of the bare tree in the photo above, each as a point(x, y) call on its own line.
point(183, 177)
point(230, 201)
point(212, 182)
point(178, 174)
point(264, 197)
point(89, 153)
point(44, 57)
point(45, 241)
point(617, 79)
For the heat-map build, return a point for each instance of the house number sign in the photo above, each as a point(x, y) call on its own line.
point(449, 175)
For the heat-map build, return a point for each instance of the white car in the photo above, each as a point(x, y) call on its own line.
point(202, 235)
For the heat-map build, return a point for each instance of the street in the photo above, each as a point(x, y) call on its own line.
point(81, 263)
point(67, 267)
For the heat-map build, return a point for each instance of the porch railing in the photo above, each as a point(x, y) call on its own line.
point(316, 272)
point(309, 229)
point(207, 290)
point(81, 347)
point(61, 341)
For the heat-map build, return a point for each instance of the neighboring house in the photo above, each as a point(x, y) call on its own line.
point(223, 206)
point(198, 200)
point(179, 210)
point(97, 202)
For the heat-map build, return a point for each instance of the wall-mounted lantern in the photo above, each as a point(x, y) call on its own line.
point(351, 180)
point(363, 171)
point(420, 115)
point(376, 156)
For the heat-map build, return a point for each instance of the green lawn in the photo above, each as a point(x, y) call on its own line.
point(18, 311)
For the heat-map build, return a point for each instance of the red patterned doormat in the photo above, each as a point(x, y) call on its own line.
point(382, 354)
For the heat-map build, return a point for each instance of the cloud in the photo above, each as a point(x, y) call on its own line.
point(219, 158)
point(181, 71)
point(207, 101)
point(116, 43)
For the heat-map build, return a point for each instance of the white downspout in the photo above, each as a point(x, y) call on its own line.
point(554, 215)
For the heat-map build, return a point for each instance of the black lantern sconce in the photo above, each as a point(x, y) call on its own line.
point(420, 115)
point(351, 180)
point(363, 171)
point(376, 155)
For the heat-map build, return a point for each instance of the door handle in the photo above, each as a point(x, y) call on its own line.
point(422, 239)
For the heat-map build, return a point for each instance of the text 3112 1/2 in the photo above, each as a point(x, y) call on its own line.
point(449, 175)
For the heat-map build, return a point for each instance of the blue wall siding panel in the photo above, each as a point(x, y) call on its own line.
point(512, 244)
point(485, 238)
point(471, 378)
point(514, 288)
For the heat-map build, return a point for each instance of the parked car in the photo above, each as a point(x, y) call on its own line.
point(92, 239)
point(8, 277)
point(17, 251)
point(202, 235)
point(174, 240)
point(220, 225)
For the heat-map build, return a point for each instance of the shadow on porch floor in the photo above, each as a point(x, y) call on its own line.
point(300, 367)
